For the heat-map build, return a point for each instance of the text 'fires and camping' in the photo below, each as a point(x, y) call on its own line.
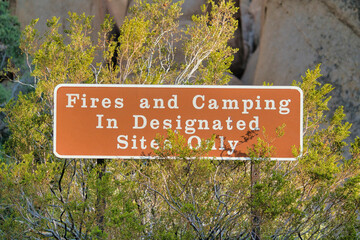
point(189, 126)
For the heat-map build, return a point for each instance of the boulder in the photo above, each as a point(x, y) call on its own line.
point(297, 35)
point(27, 10)
point(44, 9)
point(278, 39)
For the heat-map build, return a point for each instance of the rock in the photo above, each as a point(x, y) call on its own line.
point(279, 39)
point(251, 14)
point(27, 10)
point(297, 35)
point(251, 20)
point(117, 9)
point(44, 9)
point(24, 86)
point(248, 76)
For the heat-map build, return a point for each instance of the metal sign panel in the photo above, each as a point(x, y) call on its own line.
point(121, 121)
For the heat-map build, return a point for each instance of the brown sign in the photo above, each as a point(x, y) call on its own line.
point(121, 121)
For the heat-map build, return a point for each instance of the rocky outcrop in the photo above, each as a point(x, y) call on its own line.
point(279, 41)
point(118, 9)
point(27, 10)
point(297, 35)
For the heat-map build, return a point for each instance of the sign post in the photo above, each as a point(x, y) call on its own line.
point(121, 121)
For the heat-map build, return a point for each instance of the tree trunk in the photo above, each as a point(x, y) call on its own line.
point(100, 199)
point(255, 213)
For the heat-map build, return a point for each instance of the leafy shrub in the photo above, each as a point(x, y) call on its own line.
point(9, 36)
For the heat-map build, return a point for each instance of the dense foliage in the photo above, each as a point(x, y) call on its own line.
point(9, 47)
point(42, 196)
point(9, 36)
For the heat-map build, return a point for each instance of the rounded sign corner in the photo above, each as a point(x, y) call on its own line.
point(57, 154)
point(301, 92)
point(57, 88)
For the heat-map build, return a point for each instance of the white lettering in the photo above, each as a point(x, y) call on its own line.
point(99, 116)
point(144, 103)
point(189, 129)
point(123, 142)
point(222, 146)
point(119, 103)
point(217, 125)
point(248, 105)
point(142, 141)
point(106, 103)
point(167, 124)
point(83, 101)
point(203, 124)
point(283, 107)
point(154, 124)
point(93, 102)
point(258, 103)
point(172, 103)
point(136, 122)
point(254, 122)
point(112, 123)
point(228, 123)
point(232, 146)
point(71, 99)
point(230, 104)
point(134, 142)
point(213, 104)
point(267, 107)
point(159, 103)
point(154, 144)
point(241, 125)
point(197, 139)
point(195, 99)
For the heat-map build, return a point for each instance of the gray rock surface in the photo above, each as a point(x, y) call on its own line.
point(27, 10)
point(279, 41)
point(118, 9)
point(297, 35)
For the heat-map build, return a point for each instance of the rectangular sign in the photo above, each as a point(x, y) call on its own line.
point(121, 121)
